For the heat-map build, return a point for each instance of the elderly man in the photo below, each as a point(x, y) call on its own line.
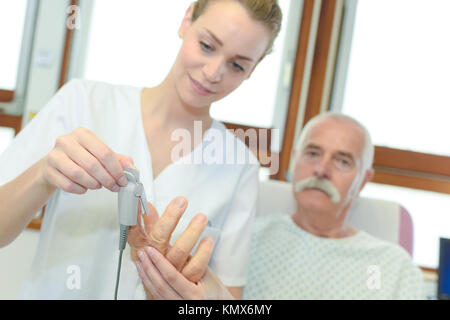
point(313, 253)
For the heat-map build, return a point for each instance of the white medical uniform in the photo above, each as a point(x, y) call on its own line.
point(77, 254)
point(289, 263)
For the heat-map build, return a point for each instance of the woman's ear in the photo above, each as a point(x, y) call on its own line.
point(186, 22)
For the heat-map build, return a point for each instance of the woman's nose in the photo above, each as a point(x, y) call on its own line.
point(213, 70)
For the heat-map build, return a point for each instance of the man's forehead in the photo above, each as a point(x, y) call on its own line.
point(335, 136)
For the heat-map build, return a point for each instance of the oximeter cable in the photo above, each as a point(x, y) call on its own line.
point(129, 198)
point(122, 244)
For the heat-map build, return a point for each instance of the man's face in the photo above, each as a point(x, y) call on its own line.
point(331, 153)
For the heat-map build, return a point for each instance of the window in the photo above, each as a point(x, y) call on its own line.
point(398, 75)
point(136, 42)
point(12, 21)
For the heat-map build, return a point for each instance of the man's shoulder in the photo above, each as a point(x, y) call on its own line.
point(271, 221)
point(391, 253)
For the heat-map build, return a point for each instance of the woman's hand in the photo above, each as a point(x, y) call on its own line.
point(163, 281)
point(80, 161)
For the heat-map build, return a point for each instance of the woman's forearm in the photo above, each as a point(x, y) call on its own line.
point(20, 200)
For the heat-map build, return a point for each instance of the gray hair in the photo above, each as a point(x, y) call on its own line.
point(368, 149)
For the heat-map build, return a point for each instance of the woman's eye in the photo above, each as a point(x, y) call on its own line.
point(205, 46)
point(237, 67)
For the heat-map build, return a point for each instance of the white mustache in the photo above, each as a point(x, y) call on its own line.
point(322, 184)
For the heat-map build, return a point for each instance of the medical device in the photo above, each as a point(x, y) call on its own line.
point(129, 197)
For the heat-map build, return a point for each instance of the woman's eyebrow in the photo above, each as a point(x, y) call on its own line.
point(214, 37)
point(238, 56)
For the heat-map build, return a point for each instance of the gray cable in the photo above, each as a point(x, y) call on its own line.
point(122, 244)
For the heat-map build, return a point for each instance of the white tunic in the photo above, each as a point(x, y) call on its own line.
point(80, 233)
point(289, 263)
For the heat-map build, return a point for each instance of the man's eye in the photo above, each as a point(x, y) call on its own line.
point(343, 163)
point(205, 46)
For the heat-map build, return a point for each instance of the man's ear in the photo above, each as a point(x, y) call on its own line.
point(368, 177)
point(186, 22)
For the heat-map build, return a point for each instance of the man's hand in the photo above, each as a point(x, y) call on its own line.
point(156, 232)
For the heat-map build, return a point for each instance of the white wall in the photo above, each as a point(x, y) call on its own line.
point(15, 262)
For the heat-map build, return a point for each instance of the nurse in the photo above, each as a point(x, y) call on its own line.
point(72, 154)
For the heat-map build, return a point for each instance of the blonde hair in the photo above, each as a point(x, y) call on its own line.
point(267, 12)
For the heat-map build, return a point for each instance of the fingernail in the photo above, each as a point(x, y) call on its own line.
point(201, 219)
point(180, 202)
point(209, 241)
point(123, 181)
point(116, 188)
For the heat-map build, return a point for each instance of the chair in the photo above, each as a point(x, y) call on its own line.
point(383, 219)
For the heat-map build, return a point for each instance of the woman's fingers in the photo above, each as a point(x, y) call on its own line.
point(125, 161)
point(196, 267)
point(62, 182)
point(181, 250)
point(85, 160)
point(152, 279)
point(75, 173)
point(166, 281)
point(95, 157)
point(160, 233)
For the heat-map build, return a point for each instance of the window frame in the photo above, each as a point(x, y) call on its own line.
point(11, 101)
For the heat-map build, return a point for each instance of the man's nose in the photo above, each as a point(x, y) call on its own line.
point(322, 169)
point(214, 69)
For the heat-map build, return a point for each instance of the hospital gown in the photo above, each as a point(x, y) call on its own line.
point(289, 263)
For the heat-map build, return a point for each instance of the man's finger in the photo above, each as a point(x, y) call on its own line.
point(151, 219)
point(197, 265)
point(160, 233)
point(181, 250)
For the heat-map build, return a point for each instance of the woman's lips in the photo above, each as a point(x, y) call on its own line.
point(199, 88)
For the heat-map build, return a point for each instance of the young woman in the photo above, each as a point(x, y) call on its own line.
point(72, 155)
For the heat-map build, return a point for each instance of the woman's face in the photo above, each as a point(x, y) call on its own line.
point(219, 51)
